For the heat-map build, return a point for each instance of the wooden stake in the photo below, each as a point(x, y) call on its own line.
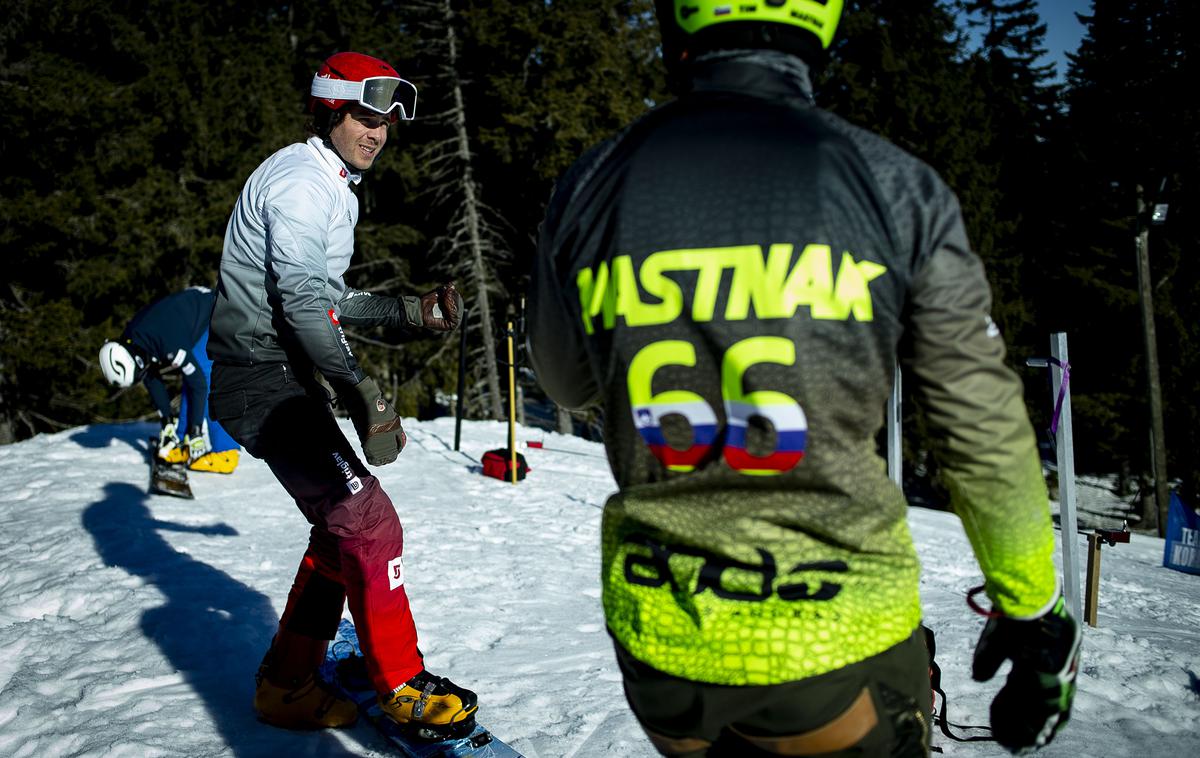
point(1092, 591)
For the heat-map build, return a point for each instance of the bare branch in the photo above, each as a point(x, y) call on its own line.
point(44, 419)
point(359, 337)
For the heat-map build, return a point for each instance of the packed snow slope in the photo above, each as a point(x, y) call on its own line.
point(132, 625)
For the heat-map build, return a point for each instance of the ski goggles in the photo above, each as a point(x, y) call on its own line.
point(382, 94)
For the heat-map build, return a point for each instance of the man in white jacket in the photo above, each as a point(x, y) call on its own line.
point(281, 305)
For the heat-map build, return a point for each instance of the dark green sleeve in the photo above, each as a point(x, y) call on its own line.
point(974, 404)
point(557, 347)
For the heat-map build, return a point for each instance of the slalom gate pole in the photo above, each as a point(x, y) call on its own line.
point(1064, 445)
point(1064, 451)
point(895, 447)
point(512, 406)
point(462, 379)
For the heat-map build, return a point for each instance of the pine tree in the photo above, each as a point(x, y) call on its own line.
point(1131, 125)
point(117, 141)
point(471, 242)
point(1014, 39)
point(131, 128)
point(131, 125)
point(1024, 116)
point(545, 81)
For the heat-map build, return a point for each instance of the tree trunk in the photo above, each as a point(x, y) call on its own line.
point(470, 208)
point(8, 429)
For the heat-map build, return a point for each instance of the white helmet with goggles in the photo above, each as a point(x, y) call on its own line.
point(347, 78)
point(120, 365)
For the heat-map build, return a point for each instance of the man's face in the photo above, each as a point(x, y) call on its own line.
point(359, 136)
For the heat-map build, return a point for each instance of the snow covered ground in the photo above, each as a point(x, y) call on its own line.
point(132, 625)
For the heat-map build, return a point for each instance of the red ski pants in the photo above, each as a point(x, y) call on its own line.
point(356, 542)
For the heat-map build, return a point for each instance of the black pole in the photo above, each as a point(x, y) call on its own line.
point(1158, 437)
point(462, 378)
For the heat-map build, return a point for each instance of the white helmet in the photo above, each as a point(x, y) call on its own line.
point(118, 364)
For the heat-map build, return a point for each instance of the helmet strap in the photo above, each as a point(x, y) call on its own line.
point(329, 144)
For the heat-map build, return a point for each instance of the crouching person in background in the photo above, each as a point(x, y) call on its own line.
point(166, 338)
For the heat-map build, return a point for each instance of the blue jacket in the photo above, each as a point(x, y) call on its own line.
point(166, 331)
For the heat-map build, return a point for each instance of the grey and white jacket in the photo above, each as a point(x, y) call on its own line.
point(281, 295)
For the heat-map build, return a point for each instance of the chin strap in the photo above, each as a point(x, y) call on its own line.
point(345, 163)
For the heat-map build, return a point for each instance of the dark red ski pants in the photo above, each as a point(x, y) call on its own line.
point(356, 542)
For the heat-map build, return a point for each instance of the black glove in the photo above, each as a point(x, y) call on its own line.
point(1035, 702)
point(441, 310)
point(376, 422)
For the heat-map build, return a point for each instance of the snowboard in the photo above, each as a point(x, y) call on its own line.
point(345, 669)
point(167, 478)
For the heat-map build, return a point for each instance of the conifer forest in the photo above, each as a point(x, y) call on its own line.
point(129, 126)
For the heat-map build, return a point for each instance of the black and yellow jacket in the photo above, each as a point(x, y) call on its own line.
point(734, 277)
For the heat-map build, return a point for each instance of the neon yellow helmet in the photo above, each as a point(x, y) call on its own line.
point(817, 16)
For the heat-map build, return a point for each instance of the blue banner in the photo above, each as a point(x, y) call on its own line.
point(1182, 549)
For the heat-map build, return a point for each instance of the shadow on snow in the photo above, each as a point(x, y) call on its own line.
point(99, 436)
point(212, 628)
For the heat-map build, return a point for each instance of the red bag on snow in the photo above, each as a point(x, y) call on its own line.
point(498, 464)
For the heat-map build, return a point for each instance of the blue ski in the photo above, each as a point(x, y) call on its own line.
point(480, 743)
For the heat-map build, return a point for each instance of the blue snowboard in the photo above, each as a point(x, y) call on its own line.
point(480, 743)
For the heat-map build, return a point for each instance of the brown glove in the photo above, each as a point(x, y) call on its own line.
point(376, 422)
point(441, 310)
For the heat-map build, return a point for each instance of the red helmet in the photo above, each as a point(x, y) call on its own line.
point(356, 78)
